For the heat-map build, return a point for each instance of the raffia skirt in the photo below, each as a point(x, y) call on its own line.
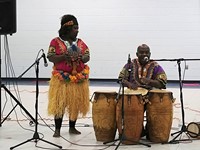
point(71, 99)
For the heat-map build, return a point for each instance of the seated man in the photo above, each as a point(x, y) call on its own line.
point(142, 72)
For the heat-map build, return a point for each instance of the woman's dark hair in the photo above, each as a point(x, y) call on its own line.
point(64, 29)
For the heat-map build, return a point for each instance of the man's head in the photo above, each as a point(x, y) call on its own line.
point(69, 28)
point(143, 52)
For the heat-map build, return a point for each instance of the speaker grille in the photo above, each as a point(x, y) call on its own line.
point(8, 17)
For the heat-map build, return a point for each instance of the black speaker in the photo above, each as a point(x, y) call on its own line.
point(8, 17)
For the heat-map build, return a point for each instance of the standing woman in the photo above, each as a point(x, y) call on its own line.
point(69, 83)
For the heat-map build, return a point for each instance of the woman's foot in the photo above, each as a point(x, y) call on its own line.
point(72, 130)
point(56, 133)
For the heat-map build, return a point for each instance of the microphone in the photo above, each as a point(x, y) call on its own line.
point(45, 60)
point(146, 59)
point(129, 63)
point(129, 59)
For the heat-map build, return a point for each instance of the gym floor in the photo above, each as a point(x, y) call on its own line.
point(17, 127)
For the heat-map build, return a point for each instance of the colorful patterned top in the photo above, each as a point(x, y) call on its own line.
point(63, 69)
point(152, 70)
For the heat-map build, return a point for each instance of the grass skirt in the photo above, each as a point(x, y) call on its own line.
point(71, 99)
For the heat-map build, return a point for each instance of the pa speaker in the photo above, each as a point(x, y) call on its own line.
point(7, 17)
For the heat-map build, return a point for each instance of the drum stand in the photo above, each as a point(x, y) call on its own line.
point(122, 136)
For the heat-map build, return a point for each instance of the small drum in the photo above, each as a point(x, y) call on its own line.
point(132, 106)
point(159, 113)
point(104, 115)
point(193, 129)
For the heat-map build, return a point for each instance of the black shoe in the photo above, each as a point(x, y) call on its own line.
point(56, 133)
point(73, 130)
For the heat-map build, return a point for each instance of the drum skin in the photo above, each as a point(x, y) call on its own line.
point(159, 115)
point(193, 129)
point(132, 121)
point(104, 115)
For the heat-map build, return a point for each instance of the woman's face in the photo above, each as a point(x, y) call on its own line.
point(74, 32)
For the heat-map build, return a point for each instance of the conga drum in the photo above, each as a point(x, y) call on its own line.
point(193, 129)
point(159, 113)
point(104, 115)
point(131, 104)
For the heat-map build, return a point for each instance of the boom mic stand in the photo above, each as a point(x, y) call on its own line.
point(183, 128)
point(36, 135)
point(13, 97)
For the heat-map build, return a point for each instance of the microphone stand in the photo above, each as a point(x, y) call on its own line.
point(122, 137)
point(183, 128)
point(35, 137)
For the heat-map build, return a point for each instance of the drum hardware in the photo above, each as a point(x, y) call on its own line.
point(122, 137)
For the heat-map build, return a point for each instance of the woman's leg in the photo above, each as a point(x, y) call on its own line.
point(58, 124)
point(72, 128)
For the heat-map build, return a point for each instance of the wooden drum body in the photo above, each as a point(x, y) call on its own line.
point(159, 115)
point(132, 123)
point(104, 115)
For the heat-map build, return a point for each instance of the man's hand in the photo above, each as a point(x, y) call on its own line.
point(145, 81)
point(130, 85)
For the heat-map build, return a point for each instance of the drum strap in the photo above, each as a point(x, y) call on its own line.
point(129, 99)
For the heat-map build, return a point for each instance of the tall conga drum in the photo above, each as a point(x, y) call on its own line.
point(104, 115)
point(159, 115)
point(130, 126)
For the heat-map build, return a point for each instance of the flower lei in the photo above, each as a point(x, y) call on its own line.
point(78, 78)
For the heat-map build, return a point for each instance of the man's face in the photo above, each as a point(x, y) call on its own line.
point(142, 53)
point(74, 32)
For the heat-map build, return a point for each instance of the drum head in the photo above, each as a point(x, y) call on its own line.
point(194, 128)
point(139, 91)
point(160, 91)
point(105, 92)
